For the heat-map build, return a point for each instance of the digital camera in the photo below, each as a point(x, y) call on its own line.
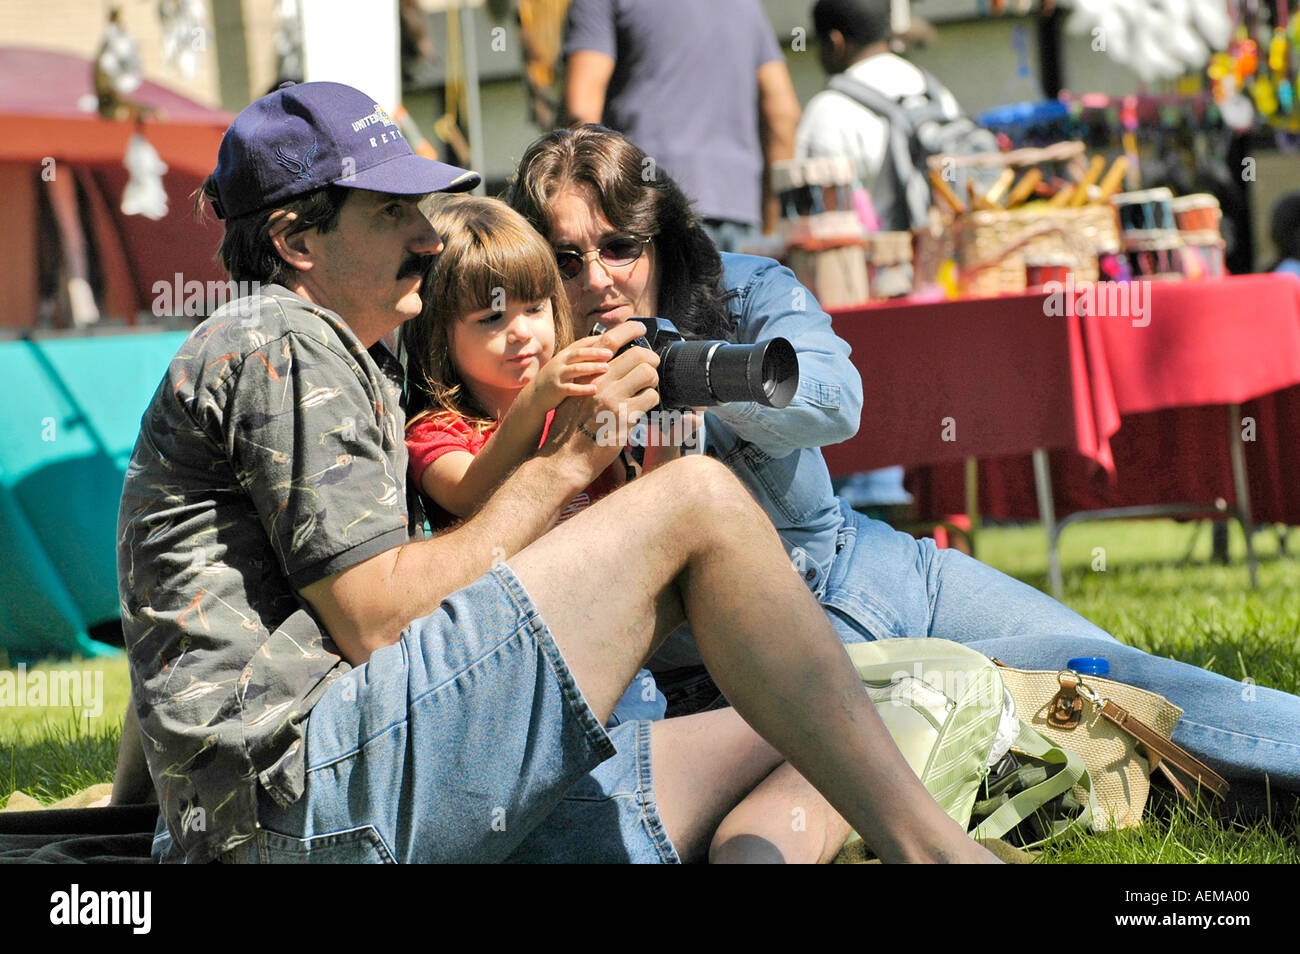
point(707, 373)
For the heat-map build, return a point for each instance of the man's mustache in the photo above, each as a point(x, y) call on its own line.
point(415, 265)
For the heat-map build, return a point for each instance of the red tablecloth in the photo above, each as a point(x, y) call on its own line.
point(1234, 340)
point(943, 382)
point(1212, 342)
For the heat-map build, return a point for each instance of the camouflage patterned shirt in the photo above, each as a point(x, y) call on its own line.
point(270, 457)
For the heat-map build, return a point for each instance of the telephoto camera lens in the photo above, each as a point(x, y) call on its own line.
point(706, 373)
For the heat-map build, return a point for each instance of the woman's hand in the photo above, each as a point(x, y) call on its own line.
point(672, 434)
point(571, 373)
point(595, 427)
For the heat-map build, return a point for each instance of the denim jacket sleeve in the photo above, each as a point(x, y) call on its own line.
point(768, 302)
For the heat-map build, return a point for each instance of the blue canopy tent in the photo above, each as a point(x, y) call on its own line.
point(70, 410)
point(70, 403)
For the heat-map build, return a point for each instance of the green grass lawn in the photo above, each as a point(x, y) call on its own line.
point(1146, 595)
point(51, 753)
point(1196, 611)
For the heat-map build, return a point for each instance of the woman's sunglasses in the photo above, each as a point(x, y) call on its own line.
point(617, 253)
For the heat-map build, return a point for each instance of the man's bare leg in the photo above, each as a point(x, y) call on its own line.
point(614, 580)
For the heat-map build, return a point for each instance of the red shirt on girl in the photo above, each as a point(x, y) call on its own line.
point(443, 433)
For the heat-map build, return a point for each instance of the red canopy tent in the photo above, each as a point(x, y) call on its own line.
point(40, 113)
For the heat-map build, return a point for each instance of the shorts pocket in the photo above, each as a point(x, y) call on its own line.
point(361, 845)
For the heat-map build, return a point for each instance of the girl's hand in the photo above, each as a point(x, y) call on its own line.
point(571, 373)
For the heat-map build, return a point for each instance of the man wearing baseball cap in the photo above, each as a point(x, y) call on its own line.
point(315, 682)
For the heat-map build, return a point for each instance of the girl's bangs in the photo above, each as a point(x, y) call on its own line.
point(521, 264)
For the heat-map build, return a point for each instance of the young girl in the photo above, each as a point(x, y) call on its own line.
point(488, 361)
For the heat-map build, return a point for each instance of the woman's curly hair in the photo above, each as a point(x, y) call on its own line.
point(641, 199)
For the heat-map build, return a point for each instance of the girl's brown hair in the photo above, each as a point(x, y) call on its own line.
point(490, 255)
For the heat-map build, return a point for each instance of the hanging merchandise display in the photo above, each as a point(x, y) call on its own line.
point(1157, 39)
point(184, 34)
point(117, 70)
point(447, 127)
point(144, 193)
point(1279, 62)
point(1247, 48)
point(1257, 73)
point(541, 31)
point(116, 76)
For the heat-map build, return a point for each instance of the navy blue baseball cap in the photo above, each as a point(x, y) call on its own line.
point(304, 137)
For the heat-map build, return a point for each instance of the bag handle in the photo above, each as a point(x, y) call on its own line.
point(1165, 754)
point(1023, 804)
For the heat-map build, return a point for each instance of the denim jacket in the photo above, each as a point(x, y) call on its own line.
point(776, 453)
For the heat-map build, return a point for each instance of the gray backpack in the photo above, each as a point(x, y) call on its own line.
point(918, 129)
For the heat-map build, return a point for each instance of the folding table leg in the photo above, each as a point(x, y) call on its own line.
point(1047, 514)
point(1241, 487)
point(973, 499)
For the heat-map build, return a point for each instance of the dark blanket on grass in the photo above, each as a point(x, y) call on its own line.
point(110, 835)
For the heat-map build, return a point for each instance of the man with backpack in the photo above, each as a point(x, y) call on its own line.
point(881, 111)
point(886, 115)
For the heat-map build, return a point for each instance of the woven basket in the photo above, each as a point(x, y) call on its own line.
point(992, 246)
point(1120, 777)
point(1058, 157)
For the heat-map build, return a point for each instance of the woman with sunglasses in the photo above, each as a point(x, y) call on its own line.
point(629, 244)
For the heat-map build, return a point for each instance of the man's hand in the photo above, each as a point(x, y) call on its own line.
point(366, 606)
point(590, 431)
point(682, 435)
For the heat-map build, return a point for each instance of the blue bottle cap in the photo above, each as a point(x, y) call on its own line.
point(1089, 666)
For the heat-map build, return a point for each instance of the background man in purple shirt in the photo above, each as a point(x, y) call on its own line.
point(702, 87)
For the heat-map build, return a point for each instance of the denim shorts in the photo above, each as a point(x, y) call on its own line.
point(466, 741)
point(609, 817)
